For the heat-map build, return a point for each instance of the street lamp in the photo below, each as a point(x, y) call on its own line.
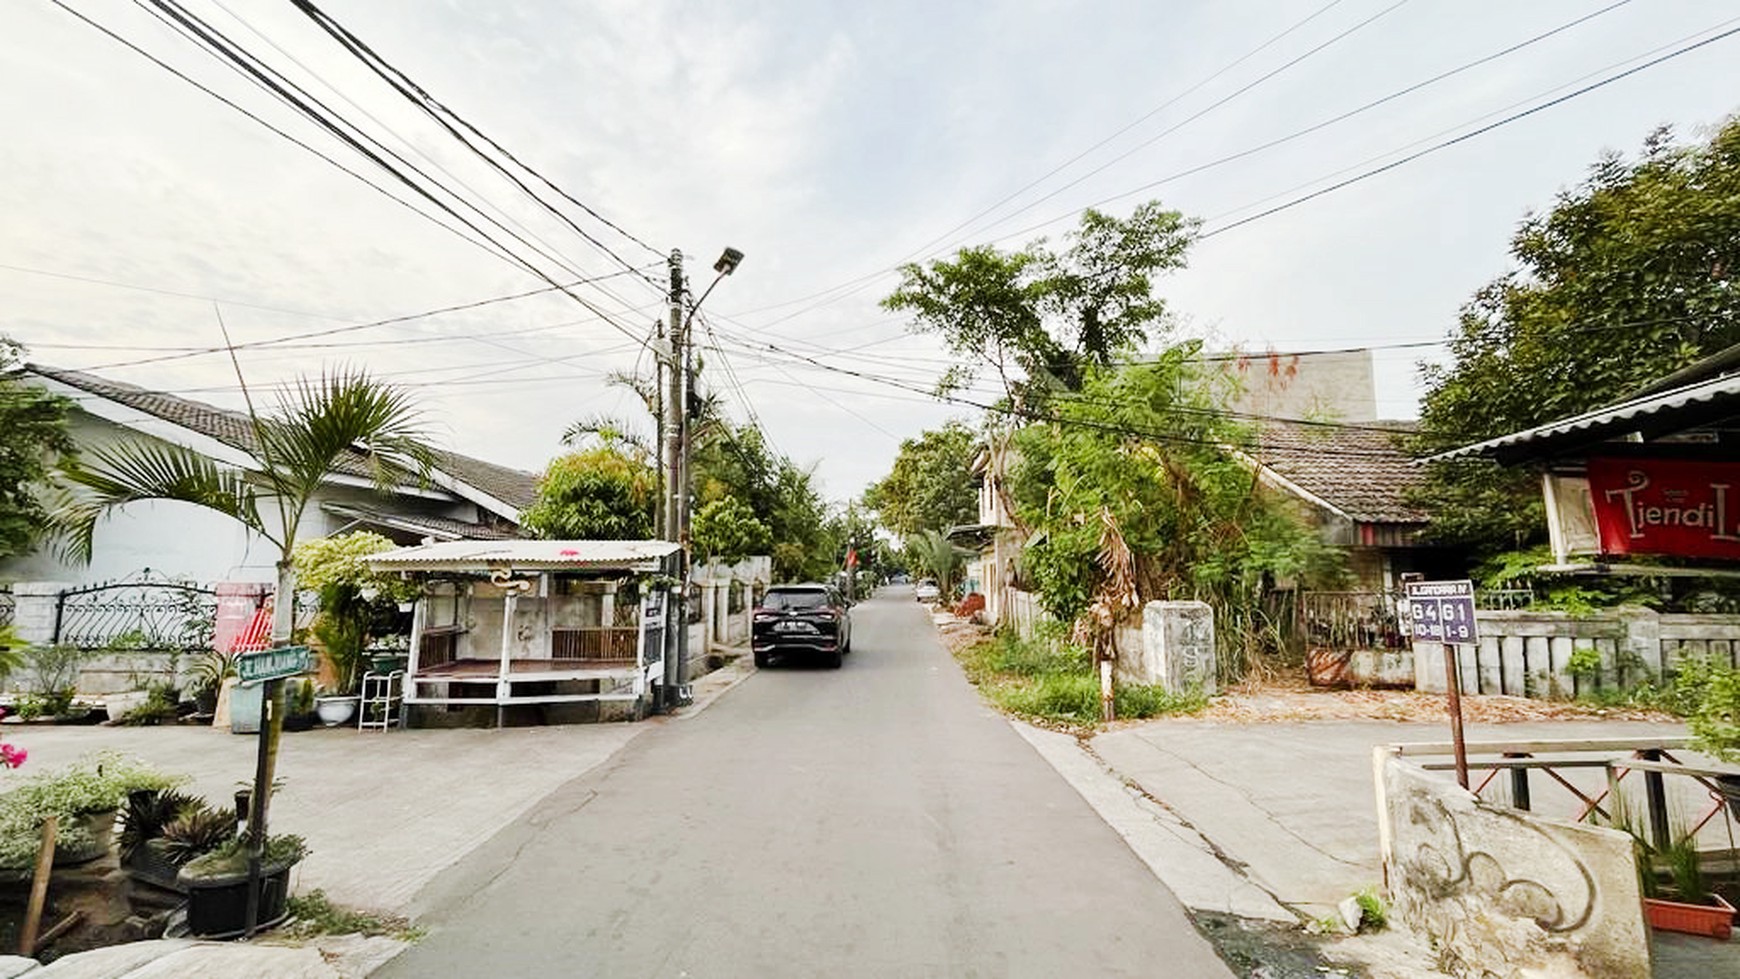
point(676, 461)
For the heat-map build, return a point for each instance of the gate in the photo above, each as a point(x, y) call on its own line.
point(141, 614)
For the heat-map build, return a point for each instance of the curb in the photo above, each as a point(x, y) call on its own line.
point(1191, 866)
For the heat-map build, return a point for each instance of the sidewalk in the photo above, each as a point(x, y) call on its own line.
point(383, 813)
point(1276, 821)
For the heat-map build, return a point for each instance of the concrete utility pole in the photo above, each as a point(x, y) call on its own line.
point(674, 430)
point(674, 419)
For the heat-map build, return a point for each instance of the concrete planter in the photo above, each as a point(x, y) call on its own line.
point(1710, 920)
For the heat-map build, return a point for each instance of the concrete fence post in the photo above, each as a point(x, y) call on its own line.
point(34, 609)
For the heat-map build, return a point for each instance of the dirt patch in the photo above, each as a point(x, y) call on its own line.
point(1284, 698)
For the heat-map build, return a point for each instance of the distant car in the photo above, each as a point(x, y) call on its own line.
point(927, 591)
point(811, 619)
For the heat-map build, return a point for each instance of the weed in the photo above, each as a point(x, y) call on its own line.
point(1373, 913)
point(1049, 680)
point(315, 914)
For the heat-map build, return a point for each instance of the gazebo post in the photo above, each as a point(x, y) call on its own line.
point(509, 601)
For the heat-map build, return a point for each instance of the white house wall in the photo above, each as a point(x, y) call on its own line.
point(186, 541)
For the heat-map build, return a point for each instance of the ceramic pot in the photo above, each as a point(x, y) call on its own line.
point(334, 711)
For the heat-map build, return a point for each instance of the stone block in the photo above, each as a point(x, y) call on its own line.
point(1177, 649)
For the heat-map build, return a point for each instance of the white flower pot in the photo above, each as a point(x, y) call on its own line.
point(334, 711)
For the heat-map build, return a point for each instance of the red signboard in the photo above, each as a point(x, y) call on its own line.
point(1667, 506)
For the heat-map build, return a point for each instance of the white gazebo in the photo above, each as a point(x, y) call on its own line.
point(508, 623)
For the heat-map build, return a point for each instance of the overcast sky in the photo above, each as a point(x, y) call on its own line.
point(827, 141)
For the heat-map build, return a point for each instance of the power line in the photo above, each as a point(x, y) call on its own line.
point(441, 113)
point(237, 58)
point(1366, 175)
point(272, 128)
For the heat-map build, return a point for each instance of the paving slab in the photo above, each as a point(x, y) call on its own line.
point(1294, 802)
point(383, 812)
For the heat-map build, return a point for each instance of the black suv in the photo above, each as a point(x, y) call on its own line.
point(810, 619)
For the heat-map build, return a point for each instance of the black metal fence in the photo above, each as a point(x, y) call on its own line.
point(143, 614)
point(8, 608)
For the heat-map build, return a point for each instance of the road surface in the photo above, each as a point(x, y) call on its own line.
point(877, 820)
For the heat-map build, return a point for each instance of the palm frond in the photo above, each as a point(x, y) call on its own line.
point(343, 414)
point(94, 485)
point(611, 430)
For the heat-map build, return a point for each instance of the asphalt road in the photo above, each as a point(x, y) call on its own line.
point(877, 820)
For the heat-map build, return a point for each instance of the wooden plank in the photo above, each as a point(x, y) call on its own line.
point(39, 887)
point(1513, 665)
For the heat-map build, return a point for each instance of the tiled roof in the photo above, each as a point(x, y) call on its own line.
point(1359, 470)
point(515, 487)
point(440, 528)
point(511, 486)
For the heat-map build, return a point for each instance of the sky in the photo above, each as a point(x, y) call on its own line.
point(829, 142)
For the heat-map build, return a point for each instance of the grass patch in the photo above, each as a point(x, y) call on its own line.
point(315, 914)
point(1045, 679)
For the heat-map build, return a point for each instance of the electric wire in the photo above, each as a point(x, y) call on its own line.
point(441, 113)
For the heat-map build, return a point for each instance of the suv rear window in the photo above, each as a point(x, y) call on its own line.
point(795, 598)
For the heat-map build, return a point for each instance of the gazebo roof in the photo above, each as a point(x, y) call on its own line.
point(528, 555)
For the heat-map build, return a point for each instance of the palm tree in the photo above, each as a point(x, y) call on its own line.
point(934, 553)
point(343, 423)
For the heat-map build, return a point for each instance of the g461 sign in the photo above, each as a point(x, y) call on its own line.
point(1443, 611)
point(1666, 506)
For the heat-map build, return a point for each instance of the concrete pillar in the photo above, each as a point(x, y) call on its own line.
point(34, 605)
point(707, 603)
point(1177, 647)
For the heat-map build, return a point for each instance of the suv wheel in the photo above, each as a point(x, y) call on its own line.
point(831, 660)
point(762, 658)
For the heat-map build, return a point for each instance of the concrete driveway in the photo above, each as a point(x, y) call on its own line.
point(383, 812)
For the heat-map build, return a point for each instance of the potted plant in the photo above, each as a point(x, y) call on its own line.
point(299, 712)
point(206, 676)
point(355, 601)
point(84, 797)
point(217, 886)
point(1686, 905)
point(149, 813)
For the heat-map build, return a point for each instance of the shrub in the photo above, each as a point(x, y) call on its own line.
point(96, 783)
point(231, 858)
point(196, 832)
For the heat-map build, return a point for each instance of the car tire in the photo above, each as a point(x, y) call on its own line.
point(831, 660)
point(762, 659)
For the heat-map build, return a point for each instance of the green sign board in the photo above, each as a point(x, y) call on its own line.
point(273, 664)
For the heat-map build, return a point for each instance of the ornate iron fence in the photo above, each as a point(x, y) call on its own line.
point(8, 608)
point(141, 614)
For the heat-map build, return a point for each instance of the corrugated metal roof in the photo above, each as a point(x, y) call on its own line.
point(534, 555)
point(441, 528)
point(1620, 419)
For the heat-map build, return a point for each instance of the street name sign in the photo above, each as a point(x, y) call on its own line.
point(1443, 611)
point(273, 664)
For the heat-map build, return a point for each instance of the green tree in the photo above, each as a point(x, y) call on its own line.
point(936, 556)
point(36, 437)
point(1629, 276)
point(1134, 493)
point(320, 429)
point(931, 484)
point(601, 493)
point(727, 530)
point(1039, 318)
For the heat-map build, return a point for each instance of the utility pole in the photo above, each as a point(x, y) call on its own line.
point(673, 428)
point(674, 459)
